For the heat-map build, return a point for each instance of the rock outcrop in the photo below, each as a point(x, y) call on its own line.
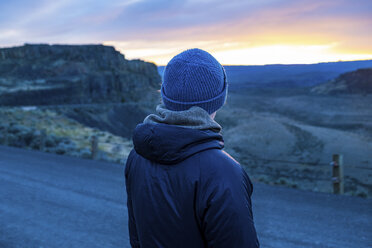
point(66, 74)
point(355, 82)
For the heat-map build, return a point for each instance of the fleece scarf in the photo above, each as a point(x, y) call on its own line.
point(195, 118)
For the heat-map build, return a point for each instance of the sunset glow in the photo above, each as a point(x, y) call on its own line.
point(235, 32)
point(258, 55)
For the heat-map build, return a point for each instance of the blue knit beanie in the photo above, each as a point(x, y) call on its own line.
point(194, 78)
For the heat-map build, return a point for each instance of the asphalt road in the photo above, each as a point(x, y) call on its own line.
point(48, 201)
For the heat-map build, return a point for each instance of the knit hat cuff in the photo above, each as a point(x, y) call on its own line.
point(210, 105)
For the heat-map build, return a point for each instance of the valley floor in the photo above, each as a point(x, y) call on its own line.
point(288, 137)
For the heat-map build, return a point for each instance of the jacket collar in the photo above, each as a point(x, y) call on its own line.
point(195, 118)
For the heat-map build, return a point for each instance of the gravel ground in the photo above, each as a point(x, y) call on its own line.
point(50, 200)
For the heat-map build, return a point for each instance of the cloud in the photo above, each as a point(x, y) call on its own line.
point(161, 28)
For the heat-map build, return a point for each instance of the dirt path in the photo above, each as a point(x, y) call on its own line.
point(49, 200)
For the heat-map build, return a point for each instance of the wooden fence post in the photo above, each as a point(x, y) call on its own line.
point(94, 146)
point(42, 139)
point(337, 174)
point(6, 139)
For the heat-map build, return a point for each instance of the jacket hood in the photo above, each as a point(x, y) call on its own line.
point(194, 117)
point(171, 144)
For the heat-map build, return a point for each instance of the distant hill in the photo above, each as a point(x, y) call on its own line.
point(60, 74)
point(287, 75)
point(355, 82)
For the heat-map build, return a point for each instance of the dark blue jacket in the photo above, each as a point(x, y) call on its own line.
point(185, 191)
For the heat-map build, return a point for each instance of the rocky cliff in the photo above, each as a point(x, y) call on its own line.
point(61, 74)
point(355, 82)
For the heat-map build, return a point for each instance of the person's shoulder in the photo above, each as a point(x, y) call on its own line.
point(219, 157)
point(220, 170)
point(219, 163)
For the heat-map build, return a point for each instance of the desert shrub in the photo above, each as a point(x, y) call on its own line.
point(281, 181)
point(50, 141)
point(14, 129)
point(28, 136)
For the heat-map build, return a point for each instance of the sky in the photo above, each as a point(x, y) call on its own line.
point(236, 32)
